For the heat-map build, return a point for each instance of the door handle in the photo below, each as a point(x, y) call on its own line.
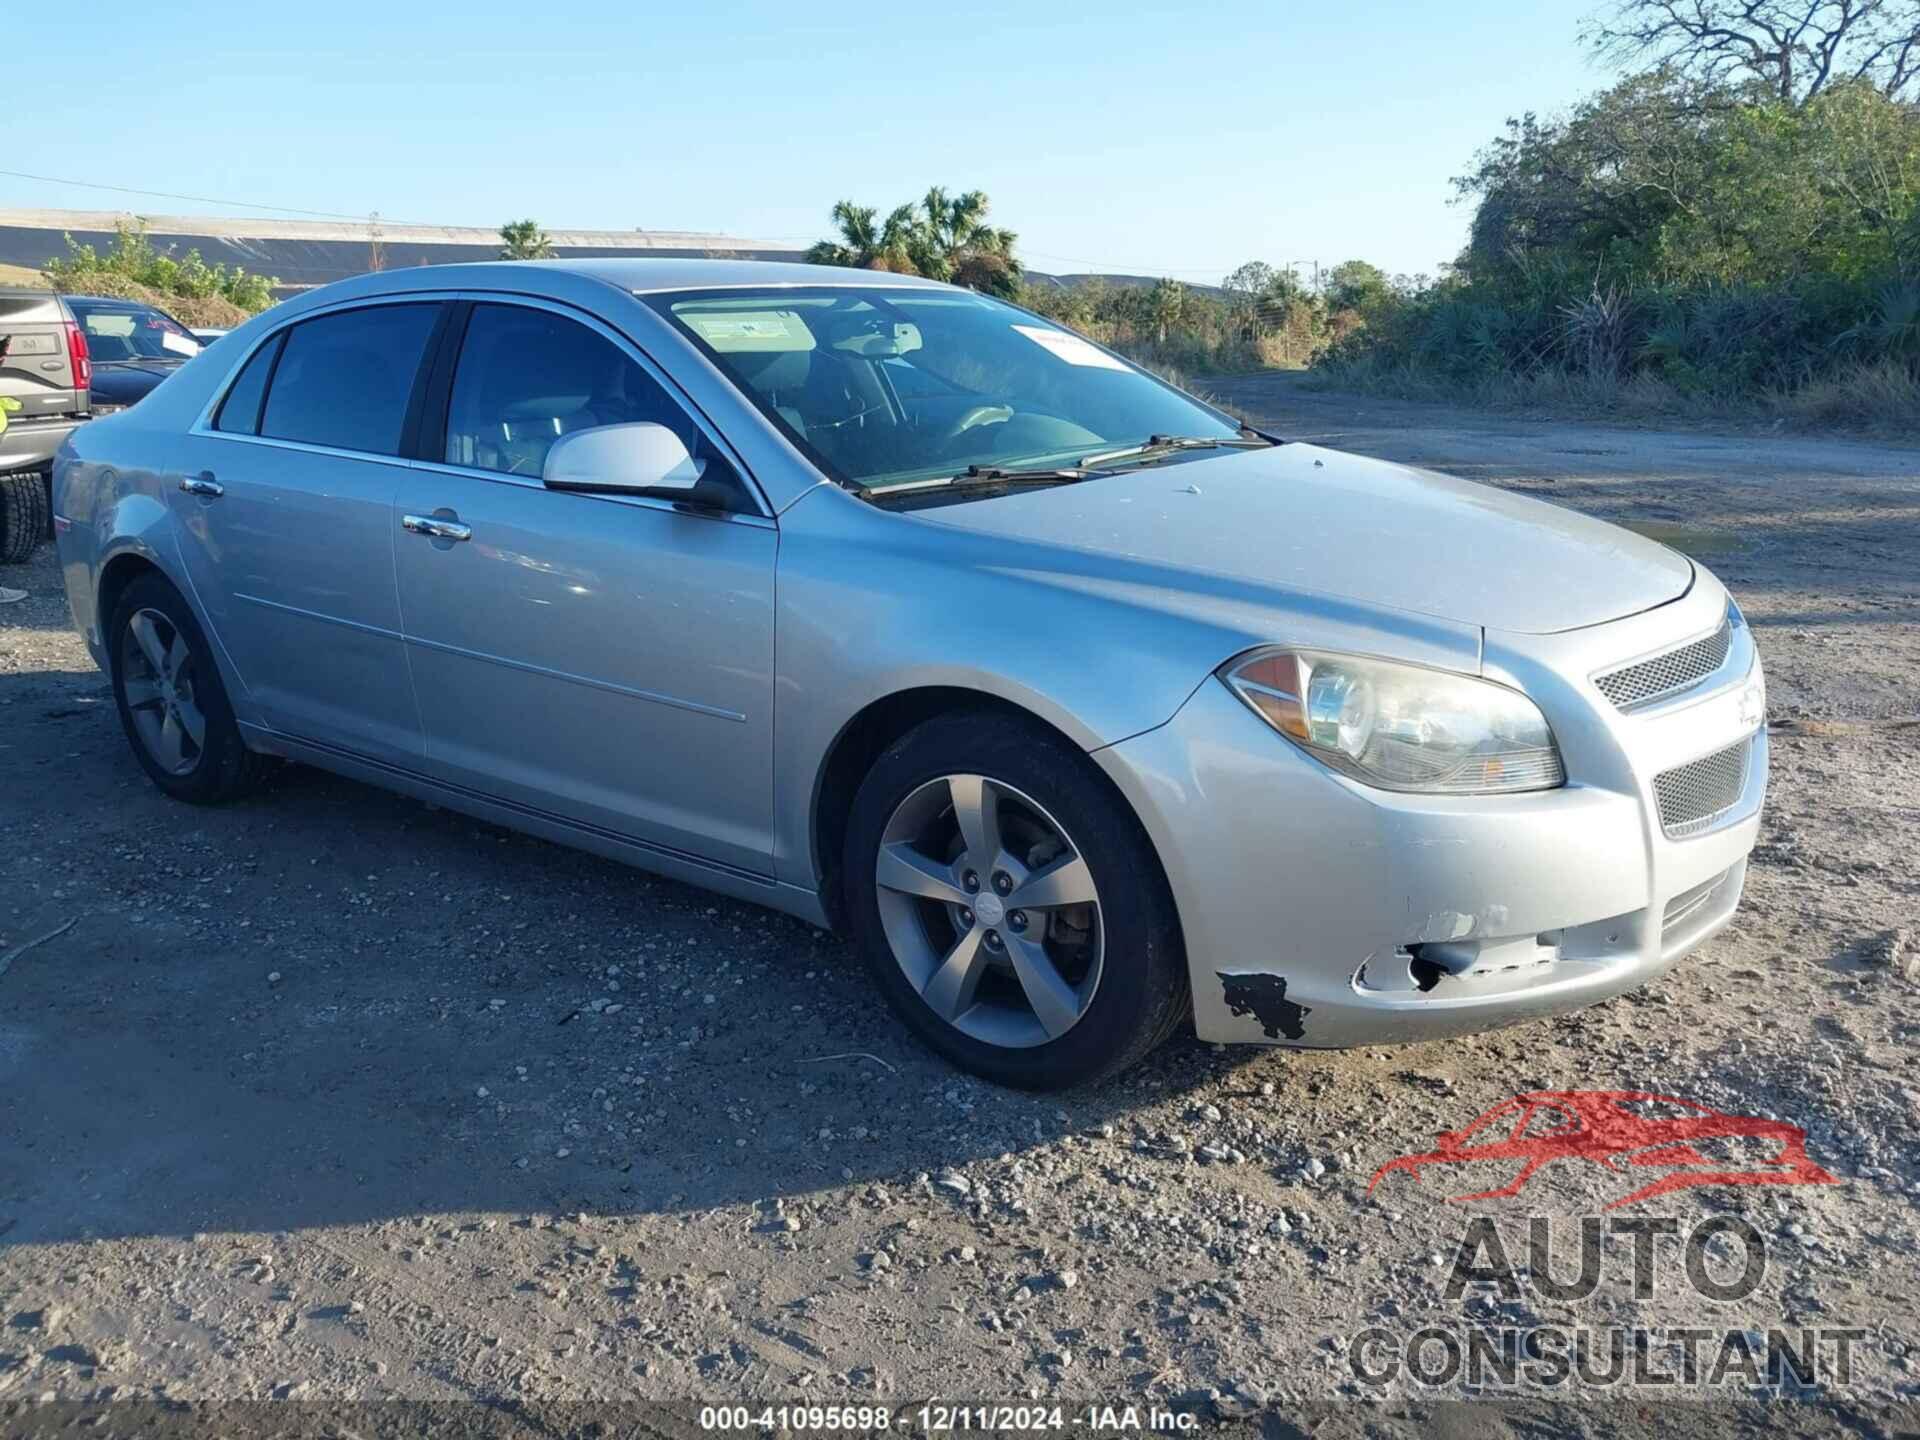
point(436, 528)
point(203, 484)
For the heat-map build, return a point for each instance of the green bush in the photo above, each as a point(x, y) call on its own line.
point(1669, 244)
point(134, 259)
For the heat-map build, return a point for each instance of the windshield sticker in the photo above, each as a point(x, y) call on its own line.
point(762, 331)
point(179, 344)
point(1070, 348)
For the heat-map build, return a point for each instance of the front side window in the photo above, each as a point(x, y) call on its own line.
point(344, 380)
point(526, 377)
point(884, 386)
point(118, 330)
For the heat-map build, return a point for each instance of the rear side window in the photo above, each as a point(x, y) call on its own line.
point(526, 377)
point(240, 411)
point(344, 380)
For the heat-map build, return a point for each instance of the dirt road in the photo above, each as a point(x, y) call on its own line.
point(332, 1095)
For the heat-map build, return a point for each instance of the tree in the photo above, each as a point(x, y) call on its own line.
point(1795, 49)
point(1662, 181)
point(942, 238)
point(1251, 281)
point(865, 245)
point(524, 240)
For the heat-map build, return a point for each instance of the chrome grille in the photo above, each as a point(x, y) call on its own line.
point(1694, 796)
point(1668, 674)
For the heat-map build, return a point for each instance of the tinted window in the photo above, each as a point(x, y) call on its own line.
point(344, 380)
point(240, 411)
point(526, 377)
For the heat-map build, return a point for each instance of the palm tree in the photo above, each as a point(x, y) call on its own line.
point(955, 239)
point(865, 246)
point(942, 238)
point(524, 240)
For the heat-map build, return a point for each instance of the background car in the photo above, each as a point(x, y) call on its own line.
point(134, 347)
point(45, 367)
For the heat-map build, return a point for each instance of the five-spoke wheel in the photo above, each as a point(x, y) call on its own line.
point(157, 669)
point(990, 910)
point(172, 703)
point(1008, 904)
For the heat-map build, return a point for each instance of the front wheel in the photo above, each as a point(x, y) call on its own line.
point(1010, 906)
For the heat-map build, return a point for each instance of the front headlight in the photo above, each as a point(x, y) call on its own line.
point(1401, 727)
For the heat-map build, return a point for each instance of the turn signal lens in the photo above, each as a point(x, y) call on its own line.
point(1401, 727)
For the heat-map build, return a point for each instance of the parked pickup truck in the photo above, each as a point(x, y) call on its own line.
point(46, 371)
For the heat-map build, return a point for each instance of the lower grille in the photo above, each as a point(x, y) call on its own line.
point(1689, 902)
point(1667, 674)
point(1695, 796)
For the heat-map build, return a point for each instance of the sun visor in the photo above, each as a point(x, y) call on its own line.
point(749, 332)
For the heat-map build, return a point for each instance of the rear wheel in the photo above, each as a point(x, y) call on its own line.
point(1009, 905)
point(24, 515)
point(172, 704)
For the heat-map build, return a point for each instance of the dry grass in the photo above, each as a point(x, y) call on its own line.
point(20, 275)
point(1878, 398)
point(212, 311)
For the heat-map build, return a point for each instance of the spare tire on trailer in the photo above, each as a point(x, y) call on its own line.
point(24, 515)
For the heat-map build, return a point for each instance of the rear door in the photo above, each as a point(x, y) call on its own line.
point(38, 367)
point(606, 659)
point(286, 505)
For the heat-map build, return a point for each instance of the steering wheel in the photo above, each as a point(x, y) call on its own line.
point(979, 415)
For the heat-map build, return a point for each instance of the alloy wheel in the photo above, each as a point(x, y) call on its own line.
point(157, 674)
point(990, 911)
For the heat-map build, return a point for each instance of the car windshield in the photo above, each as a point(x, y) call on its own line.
point(119, 330)
point(885, 386)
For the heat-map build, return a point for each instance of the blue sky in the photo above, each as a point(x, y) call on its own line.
point(1169, 140)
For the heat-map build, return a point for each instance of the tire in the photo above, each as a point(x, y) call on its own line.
point(24, 515)
point(216, 767)
point(1120, 960)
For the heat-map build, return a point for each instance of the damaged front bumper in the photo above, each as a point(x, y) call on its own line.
point(1321, 912)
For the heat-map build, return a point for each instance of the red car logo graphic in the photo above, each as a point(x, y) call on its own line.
point(1621, 1129)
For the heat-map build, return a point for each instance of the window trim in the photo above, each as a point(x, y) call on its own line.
point(446, 363)
point(443, 348)
point(204, 426)
point(278, 341)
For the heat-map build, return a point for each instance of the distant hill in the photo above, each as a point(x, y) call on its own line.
point(306, 253)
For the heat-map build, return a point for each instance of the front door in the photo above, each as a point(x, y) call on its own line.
point(286, 505)
point(606, 659)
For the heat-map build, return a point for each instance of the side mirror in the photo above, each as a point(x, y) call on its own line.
point(637, 459)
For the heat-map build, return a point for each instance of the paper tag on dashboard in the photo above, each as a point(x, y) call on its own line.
point(1070, 348)
point(179, 344)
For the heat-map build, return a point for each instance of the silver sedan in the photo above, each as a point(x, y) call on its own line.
point(1083, 709)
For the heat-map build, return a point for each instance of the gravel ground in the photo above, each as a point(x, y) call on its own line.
point(332, 1095)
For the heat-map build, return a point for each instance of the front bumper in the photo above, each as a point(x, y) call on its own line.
point(1309, 902)
point(31, 444)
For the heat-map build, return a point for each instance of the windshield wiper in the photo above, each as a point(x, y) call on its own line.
point(985, 475)
point(1167, 444)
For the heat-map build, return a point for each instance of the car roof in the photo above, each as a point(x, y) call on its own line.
point(112, 300)
point(634, 275)
point(668, 273)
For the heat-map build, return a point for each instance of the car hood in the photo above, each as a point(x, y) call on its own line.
point(1328, 523)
